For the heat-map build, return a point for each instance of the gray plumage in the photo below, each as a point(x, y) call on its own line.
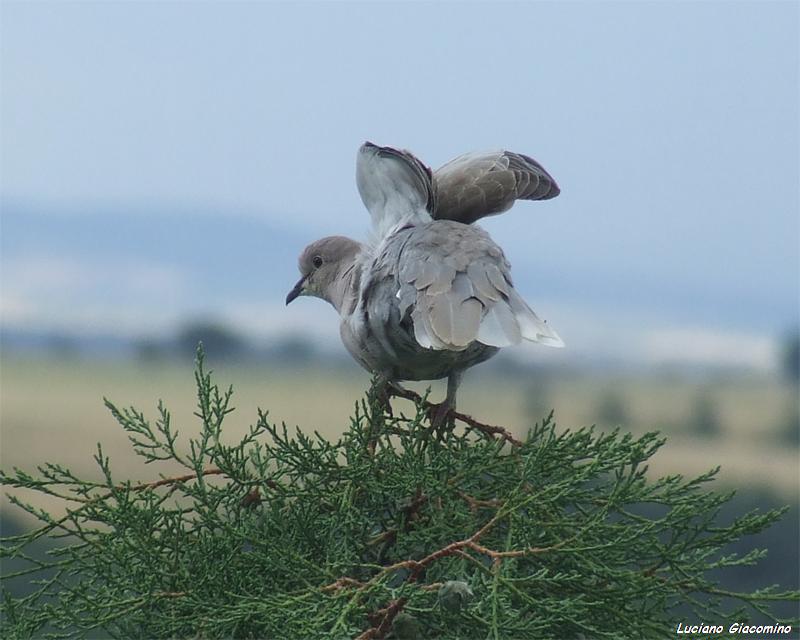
point(476, 185)
point(430, 295)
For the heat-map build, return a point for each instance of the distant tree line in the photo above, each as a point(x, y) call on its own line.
point(224, 343)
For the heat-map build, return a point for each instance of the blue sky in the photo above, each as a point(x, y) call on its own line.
point(672, 128)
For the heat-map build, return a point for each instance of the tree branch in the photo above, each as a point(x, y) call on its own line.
point(487, 429)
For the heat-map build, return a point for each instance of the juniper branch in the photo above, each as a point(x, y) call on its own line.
point(560, 535)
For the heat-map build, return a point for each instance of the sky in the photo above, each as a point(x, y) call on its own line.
point(671, 127)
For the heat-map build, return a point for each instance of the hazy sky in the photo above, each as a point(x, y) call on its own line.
point(672, 128)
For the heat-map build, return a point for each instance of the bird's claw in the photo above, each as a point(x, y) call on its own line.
point(381, 395)
point(440, 416)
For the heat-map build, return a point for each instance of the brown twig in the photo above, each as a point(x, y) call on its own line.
point(477, 503)
point(175, 480)
point(382, 620)
point(411, 512)
point(250, 499)
point(343, 583)
point(387, 536)
point(487, 429)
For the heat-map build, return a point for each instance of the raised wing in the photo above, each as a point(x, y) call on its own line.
point(475, 185)
point(394, 186)
point(455, 283)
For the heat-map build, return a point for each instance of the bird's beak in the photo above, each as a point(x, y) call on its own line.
point(297, 291)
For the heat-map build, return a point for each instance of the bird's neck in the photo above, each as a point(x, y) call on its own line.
point(343, 293)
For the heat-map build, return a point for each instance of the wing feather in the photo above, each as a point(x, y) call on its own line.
point(475, 185)
point(532, 327)
point(451, 308)
point(394, 186)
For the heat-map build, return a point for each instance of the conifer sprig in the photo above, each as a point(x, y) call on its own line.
point(390, 530)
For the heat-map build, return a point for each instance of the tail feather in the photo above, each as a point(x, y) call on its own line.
point(532, 327)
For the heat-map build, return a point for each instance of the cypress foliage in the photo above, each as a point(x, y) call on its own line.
point(393, 530)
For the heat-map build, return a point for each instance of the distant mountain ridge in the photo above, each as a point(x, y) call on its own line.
point(236, 252)
point(111, 272)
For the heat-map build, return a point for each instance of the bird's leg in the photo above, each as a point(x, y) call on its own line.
point(394, 388)
point(441, 414)
point(382, 394)
point(453, 382)
point(380, 406)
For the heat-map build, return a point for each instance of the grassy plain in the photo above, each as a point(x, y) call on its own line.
point(52, 410)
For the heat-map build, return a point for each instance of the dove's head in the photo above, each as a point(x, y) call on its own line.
point(326, 268)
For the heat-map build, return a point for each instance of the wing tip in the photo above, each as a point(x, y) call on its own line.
point(552, 192)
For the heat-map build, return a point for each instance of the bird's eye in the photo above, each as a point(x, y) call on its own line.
point(316, 261)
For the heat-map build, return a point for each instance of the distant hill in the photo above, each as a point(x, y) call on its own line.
point(105, 276)
point(235, 254)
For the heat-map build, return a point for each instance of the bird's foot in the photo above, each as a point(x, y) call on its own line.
point(441, 416)
point(381, 397)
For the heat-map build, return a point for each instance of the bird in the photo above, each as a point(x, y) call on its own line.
point(429, 294)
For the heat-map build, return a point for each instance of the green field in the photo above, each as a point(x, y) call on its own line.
point(52, 410)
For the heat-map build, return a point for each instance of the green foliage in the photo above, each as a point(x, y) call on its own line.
point(392, 530)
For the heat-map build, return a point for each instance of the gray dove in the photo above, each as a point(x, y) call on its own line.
point(430, 294)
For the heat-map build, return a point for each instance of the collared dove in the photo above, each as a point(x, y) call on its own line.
point(429, 295)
